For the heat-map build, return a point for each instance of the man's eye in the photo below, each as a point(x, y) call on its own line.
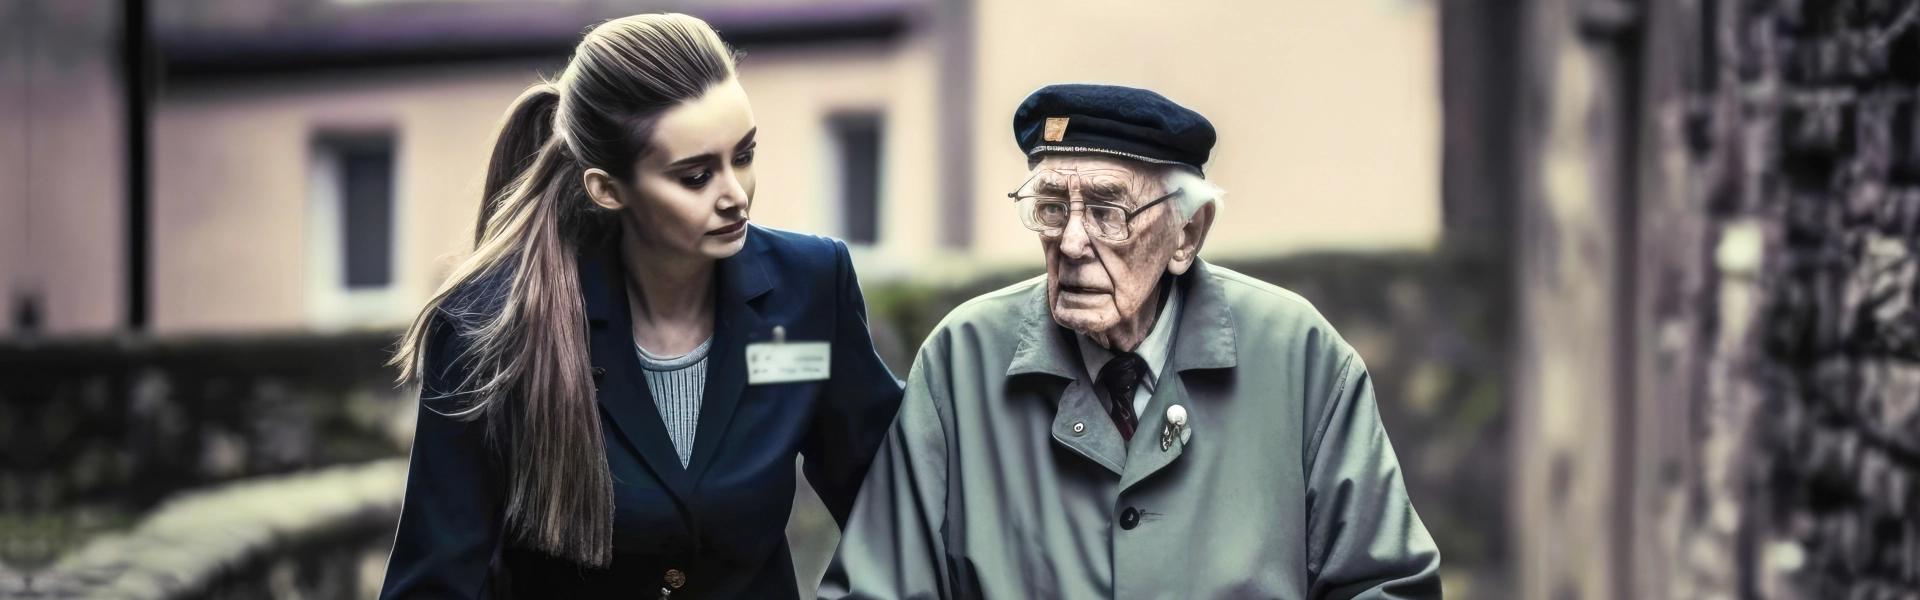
point(743, 159)
point(697, 179)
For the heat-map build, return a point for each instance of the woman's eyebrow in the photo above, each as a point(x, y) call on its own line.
point(693, 160)
point(745, 141)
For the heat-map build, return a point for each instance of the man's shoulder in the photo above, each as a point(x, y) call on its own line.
point(1264, 311)
point(1245, 290)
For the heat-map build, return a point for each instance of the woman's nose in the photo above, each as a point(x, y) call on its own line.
point(735, 193)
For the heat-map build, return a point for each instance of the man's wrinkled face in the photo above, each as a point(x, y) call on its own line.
point(1095, 284)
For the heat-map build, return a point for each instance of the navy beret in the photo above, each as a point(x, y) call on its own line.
point(1111, 119)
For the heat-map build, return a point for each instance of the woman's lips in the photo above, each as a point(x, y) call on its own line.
point(736, 226)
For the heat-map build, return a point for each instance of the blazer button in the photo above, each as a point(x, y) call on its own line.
point(1129, 519)
point(598, 373)
point(675, 578)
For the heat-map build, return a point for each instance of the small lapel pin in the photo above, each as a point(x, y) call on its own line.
point(1176, 426)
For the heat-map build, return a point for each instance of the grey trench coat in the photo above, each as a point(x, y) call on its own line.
point(1003, 476)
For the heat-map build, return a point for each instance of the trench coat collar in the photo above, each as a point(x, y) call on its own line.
point(1203, 339)
point(624, 396)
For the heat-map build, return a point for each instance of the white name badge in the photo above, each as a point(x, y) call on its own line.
point(783, 362)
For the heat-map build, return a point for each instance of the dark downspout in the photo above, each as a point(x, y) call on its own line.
point(137, 72)
point(954, 21)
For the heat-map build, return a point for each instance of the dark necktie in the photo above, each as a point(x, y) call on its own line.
point(1121, 377)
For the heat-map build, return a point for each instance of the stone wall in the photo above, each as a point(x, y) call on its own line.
point(1827, 133)
point(321, 534)
point(1717, 352)
point(93, 434)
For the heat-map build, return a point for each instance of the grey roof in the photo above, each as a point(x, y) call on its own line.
point(200, 39)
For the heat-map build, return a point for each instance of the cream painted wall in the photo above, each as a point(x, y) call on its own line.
point(61, 215)
point(231, 168)
point(1328, 112)
point(794, 91)
point(13, 188)
point(232, 174)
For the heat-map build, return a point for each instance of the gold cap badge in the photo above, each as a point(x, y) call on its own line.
point(1056, 129)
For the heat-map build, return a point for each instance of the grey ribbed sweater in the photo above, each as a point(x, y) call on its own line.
point(678, 383)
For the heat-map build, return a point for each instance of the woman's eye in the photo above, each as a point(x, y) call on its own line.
point(743, 159)
point(697, 179)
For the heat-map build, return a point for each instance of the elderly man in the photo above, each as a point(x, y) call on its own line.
point(1138, 423)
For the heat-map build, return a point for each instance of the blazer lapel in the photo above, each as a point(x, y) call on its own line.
point(622, 387)
point(741, 279)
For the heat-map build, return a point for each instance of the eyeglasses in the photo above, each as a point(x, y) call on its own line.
point(1044, 206)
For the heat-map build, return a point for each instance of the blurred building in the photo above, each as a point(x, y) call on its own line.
point(316, 164)
point(215, 213)
point(1636, 277)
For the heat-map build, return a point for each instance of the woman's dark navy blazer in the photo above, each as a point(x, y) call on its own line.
point(721, 521)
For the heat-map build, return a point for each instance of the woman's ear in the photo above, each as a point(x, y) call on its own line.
point(1192, 235)
point(602, 189)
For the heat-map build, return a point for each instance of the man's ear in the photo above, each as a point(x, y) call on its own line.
point(602, 188)
point(1192, 236)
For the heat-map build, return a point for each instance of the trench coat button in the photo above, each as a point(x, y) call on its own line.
point(1129, 518)
point(598, 373)
point(1079, 428)
point(675, 578)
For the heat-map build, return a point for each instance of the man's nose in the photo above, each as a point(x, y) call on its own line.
point(1074, 241)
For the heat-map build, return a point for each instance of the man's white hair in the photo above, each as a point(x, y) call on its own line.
point(1195, 191)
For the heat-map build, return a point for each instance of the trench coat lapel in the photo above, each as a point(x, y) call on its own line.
point(1204, 339)
point(1144, 455)
point(1046, 348)
point(622, 388)
point(742, 279)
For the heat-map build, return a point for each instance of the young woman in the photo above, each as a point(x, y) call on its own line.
point(590, 426)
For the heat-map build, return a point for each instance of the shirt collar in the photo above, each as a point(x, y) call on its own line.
point(1154, 349)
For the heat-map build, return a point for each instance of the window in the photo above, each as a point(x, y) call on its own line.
point(366, 211)
point(353, 231)
point(856, 138)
